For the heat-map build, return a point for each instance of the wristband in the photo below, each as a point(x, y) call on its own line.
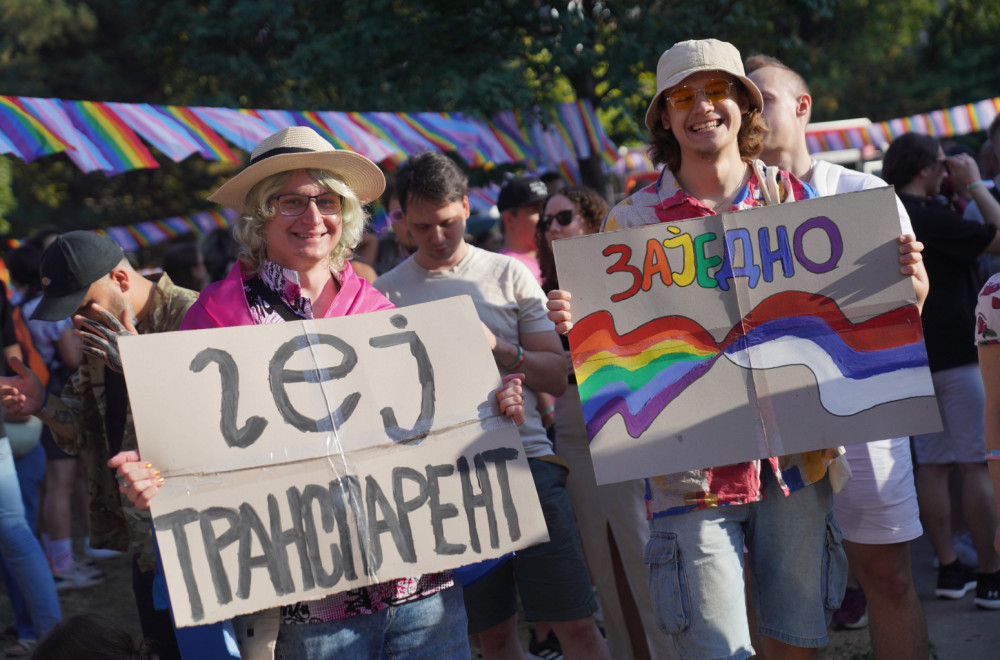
point(520, 359)
point(974, 184)
point(993, 455)
point(552, 409)
point(45, 402)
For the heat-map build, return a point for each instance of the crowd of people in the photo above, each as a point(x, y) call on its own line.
point(732, 561)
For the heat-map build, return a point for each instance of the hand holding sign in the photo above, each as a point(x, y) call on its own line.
point(717, 340)
point(383, 450)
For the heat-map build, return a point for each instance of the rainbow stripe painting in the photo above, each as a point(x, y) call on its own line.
point(857, 366)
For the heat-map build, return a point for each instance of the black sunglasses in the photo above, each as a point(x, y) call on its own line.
point(562, 217)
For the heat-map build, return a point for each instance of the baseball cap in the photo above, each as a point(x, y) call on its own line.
point(687, 57)
point(69, 266)
point(520, 192)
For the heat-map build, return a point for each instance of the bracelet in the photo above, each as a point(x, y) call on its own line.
point(551, 409)
point(45, 402)
point(974, 184)
point(520, 359)
point(993, 455)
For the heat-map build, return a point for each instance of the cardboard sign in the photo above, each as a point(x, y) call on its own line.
point(302, 459)
point(733, 337)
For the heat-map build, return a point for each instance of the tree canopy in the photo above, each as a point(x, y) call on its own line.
point(861, 57)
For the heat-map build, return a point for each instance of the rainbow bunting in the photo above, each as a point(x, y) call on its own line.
point(392, 124)
point(26, 137)
point(82, 151)
point(506, 126)
point(357, 139)
point(210, 145)
point(116, 141)
point(240, 128)
point(571, 125)
point(312, 119)
point(164, 133)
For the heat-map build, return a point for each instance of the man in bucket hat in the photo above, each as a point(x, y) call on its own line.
point(86, 275)
point(706, 128)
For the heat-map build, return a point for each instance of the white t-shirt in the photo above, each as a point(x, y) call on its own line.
point(831, 179)
point(507, 298)
point(879, 504)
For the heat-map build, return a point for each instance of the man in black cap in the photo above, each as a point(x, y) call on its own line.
point(520, 206)
point(86, 275)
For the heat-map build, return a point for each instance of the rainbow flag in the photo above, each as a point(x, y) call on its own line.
point(857, 365)
point(241, 128)
point(210, 145)
point(164, 133)
point(569, 123)
point(312, 119)
point(116, 141)
point(82, 151)
point(599, 140)
point(25, 136)
point(358, 139)
point(506, 128)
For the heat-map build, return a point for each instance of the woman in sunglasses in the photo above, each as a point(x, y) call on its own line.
point(578, 211)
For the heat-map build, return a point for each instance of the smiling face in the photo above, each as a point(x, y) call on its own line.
point(305, 241)
point(705, 129)
point(439, 232)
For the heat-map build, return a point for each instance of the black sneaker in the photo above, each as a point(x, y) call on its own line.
point(954, 580)
point(988, 591)
point(547, 649)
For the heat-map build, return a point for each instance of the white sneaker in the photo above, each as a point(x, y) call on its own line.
point(78, 576)
point(99, 553)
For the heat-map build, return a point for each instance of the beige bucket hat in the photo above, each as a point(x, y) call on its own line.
point(687, 57)
point(299, 148)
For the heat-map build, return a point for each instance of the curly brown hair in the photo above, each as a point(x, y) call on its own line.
point(665, 150)
point(592, 209)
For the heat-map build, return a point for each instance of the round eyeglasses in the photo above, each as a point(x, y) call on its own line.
point(715, 91)
point(294, 204)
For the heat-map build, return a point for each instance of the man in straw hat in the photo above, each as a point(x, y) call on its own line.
point(86, 275)
point(706, 128)
point(301, 212)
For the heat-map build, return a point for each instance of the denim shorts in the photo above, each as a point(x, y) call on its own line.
point(551, 578)
point(431, 628)
point(798, 572)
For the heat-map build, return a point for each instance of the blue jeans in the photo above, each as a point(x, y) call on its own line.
point(432, 628)
point(21, 549)
point(30, 472)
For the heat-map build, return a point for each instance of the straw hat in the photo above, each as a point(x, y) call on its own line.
point(687, 57)
point(299, 148)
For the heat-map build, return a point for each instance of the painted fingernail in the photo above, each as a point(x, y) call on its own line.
point(156, 473)
point(149, 465)
point(160, 480)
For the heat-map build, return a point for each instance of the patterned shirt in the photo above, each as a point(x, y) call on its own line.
point(665, 201)
point(363, 600)
point(115, 523)
point(988, 313)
